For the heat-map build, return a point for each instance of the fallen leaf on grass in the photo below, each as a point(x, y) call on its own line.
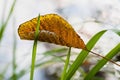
point(53, 29)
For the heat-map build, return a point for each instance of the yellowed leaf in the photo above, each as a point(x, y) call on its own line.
point(53, 29)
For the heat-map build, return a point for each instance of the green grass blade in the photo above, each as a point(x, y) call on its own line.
point(14, 53)
point(54, 51)
point(47, 53)
point(38, 65)
point(2, 74)
point(117, 31)
point(3, 27)
point(66, 65)
point(35, 48)
point(53, 60)
point(18, 75)
point(102, 62)
point(3, 12)
point(81, 57)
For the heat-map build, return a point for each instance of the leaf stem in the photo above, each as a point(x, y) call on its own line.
point(102, 62)
point(104, 57)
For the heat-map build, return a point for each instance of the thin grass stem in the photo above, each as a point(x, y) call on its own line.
point(66, 64)
point(14, 53)
point(34, 49)
point(3, 27)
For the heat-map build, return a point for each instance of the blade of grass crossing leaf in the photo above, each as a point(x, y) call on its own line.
point(66, 64)
point(102, 62)
point(34, 48)
point(81, 57)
